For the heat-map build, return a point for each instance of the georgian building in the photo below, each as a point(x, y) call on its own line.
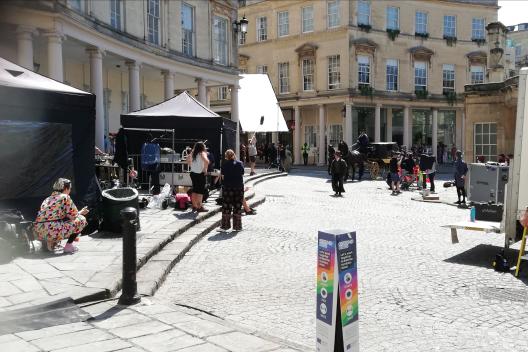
point(393, 68)
point(518, 39)
point(131, 54)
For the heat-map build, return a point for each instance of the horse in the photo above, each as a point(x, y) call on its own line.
point(355, 158)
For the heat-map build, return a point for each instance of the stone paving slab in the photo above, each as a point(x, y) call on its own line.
point(95, 271)
point(148, 326)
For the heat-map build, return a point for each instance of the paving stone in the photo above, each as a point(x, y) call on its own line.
point(147, 328)
point(53, 330)
point(166, 341)
point(114, 322)
point(13, 343)
point(202, 328)
point(8, 289)
point(77, 338)
point(98, 346)
point(173, 317)
point(206, 347)
point(239, 342)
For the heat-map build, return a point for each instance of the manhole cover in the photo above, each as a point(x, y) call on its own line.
point(503, 294)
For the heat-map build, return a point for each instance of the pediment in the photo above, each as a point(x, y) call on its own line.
point(421, 53)
point(306, 50)
point(364, 45)
point(477, 57)
point(243, 59)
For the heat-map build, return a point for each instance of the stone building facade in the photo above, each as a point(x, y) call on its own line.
point(131, 54)
point(393, 68)
point(518, 36)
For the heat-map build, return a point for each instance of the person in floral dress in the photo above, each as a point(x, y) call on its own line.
point(58, 218)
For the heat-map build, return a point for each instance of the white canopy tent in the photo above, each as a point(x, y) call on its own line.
point(258, 108)
point(183, 104)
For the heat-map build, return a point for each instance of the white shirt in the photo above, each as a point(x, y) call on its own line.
point(197, 164)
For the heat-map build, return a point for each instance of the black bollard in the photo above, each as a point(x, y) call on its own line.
point(129, 293)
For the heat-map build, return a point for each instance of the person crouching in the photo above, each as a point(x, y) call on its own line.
point(338, 170)
point(58, 218)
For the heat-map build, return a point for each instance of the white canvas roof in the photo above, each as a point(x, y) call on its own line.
point(12, 75)
point(181, 105)
point(256, 99)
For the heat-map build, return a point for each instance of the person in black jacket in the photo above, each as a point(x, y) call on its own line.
point(338, 170)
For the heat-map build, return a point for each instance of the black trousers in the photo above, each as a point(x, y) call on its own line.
point(305, 159)
point(431, 178)
point(461, 191)
point(337, 183)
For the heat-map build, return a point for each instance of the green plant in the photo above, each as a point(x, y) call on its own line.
point(421, 93)
point(423, 35)
point(479, 41)
point(450, 96)
point(365, 27)
point(450, 39)
point(366, 90)
point(393, 33)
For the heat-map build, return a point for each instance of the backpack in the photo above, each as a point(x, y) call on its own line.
point(150, 156)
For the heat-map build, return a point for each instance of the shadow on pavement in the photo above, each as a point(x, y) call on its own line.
point(186, 215)
point(108, 313)
point(222, 236)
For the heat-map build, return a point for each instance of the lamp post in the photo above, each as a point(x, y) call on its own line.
point(241, 26)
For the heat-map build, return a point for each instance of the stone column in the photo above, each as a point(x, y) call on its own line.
point(208, 99)
point(134, 97)
point(234, 114)
point(388, 136)
point(55, 66)
point(96, 85)
point(377, 124)
point(322, 144)
point(406, 126)
point(348, 124)
point(297, 136)
point(459, 129)
point(202, 91)
point(434, 137)
point(25, 46)
point(168, 83)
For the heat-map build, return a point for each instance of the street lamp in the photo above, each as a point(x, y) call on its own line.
point(241, 26)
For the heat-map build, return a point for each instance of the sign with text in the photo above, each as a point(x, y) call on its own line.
point(337, 323)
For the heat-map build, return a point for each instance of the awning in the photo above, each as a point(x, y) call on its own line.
point(184, 105)
point(258, 108)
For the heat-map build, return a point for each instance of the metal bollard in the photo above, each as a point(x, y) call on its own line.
point(129, 293)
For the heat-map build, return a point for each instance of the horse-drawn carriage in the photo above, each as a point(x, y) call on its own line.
point(374, 158)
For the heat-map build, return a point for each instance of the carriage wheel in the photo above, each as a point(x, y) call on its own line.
point(374, 170)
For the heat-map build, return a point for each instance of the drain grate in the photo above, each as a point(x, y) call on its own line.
point(503, 294)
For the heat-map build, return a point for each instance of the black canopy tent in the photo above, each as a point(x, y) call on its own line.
point(47, 130)
point(190, 121)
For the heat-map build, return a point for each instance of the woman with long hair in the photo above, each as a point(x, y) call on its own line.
point(198, 162)
point(232, 191)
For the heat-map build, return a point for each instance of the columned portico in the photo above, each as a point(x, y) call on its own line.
point(25, 46)
point(322, 144)
point(388, 136)
point(434, 137)
point(348, 124)
point(55, 64)
point(168, 84)
point(96, 84)
point(406, 127)
point(297, 136)
point(234, 115)
point(134, 100)
point(377, 124)
point(202, 91)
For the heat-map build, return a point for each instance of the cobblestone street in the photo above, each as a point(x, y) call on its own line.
point(418, 292)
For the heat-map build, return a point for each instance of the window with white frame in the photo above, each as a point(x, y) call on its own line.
point(448, 78)
point(283, 22)
point(486, 141)
point(115, 14)
point(263, 69)
point(284, 79)
point(262, 29)
point(450, 26)
point(477, 28)
point(393, 17)
point(220, 41)
point(363, 69)
point(392, 74)
point(334, 72)
point(308, 74)
point(332, 14)
point(421, 22)
point(153, 21)
point(310, 136)
point(420, 76)
point(335, 134)
point(477, 74)
point(187, 21)
point(363, 15)
point(222, 93)
point(307, 19)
